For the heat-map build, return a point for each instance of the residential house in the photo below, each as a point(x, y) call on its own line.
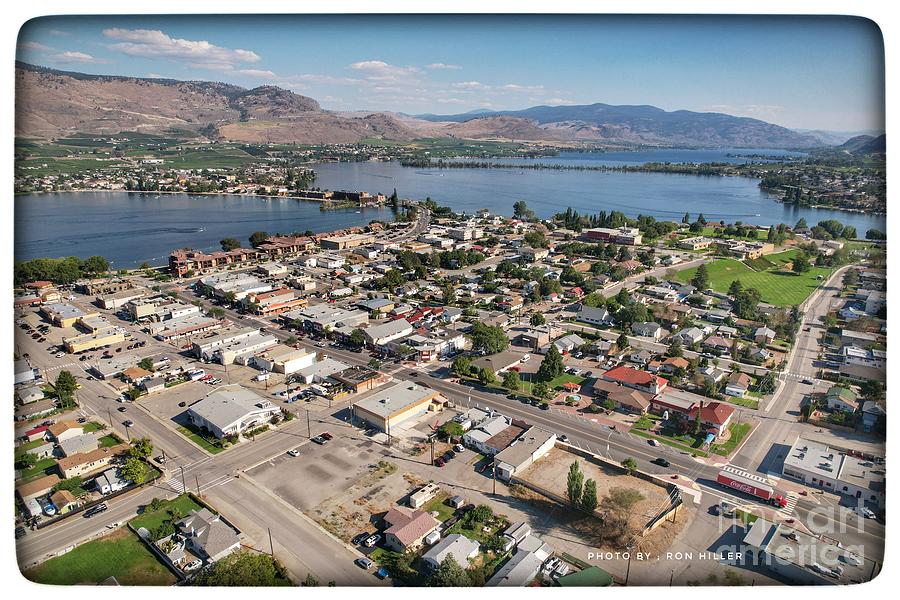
point(461, 548)
point(594, 316)
point(738, 384)
point(841, 398)
point(207, 535)
point(648, 329)
point(639, 380)
point(406, 528)
point(690, 336)
point(763, 335)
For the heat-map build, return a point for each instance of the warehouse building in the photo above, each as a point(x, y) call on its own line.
point(392, 406)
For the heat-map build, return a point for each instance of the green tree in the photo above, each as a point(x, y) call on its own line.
point(230, 243)
point(243, 569)
point(589, 496)
point(511, 381)
point(141, 448)
point(735, 288)
point(451, 429)
point(310, 581)
point(461, 366)
point(449, 294)
point(358, 338)
point(27, 460)
point(686, 219)
point(482, 513)
point(65, 387)
point(449, 574)
point(552, 365)
point(134, 470)
point(630, 465)
point(487, 339)
point(800, 264)
point(675, 349)
point(574, 483)
point(541, 390)
point(486, 376)
point(622, 341)
point(146, 364)
point(257, 238)
point(537, 319)
point(700, 280)
point(95, 265)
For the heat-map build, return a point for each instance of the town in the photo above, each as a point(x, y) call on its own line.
point(458, 399)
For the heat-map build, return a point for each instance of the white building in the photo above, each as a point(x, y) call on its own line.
point(231, 410)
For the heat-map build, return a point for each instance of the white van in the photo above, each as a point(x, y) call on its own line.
point(525, 358)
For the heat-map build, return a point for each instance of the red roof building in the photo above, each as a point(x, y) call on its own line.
point(715, 415)
point(635, 379)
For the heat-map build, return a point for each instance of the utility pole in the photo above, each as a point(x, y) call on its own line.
point(672, 577)
point(197, 481)
point(308, 431)
point(494, 471)
point(183, 484)
point(271, 545)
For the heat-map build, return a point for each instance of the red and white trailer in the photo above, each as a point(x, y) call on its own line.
point(749, 483)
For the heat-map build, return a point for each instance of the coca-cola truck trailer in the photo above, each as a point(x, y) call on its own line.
point(750, 484)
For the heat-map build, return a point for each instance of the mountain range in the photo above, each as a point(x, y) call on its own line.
point(52, 104)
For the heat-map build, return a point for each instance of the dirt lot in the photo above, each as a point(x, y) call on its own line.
point(551, 472)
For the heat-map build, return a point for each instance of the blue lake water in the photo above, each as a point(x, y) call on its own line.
point(130, 228)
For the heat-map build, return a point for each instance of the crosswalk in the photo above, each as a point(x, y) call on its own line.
point(176, 485)
point(792, 499)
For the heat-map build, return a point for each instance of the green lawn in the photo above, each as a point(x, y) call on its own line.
point(438, 503)
point(91, 426)
point(780, 288)
point(120, 555)
point(109, 440)
point(556, 383)
point(39, 469)
point(738, 432)
point(23, 448)
point(201, 441)
point(474, 530)
point(668, 442)
point(150, 520)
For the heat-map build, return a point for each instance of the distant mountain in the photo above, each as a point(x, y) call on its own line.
point(865, 144)
point(647, 125)
point(836, 138)
point(52, 104)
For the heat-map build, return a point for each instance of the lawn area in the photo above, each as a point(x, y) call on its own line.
point(399, 565)
point(738, 432)
point(39, 469)
point(474, 530)
point(668, 442)
point(194, 436)
point(120, 555)
point(91, 426)
point(109, 440)
point(27, 447)
point(556, 383)
point(438, 503)
point(780, 288)
point(746, 402)
point(151, 520)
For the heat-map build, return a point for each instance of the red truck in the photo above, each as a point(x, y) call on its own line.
point(751, 484)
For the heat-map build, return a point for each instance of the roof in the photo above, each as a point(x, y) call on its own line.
point(38, 485)
point(229, 404)
point(86, 457)
point(209, 532)
point(63, 426)
point(629, 375)
point(456, 545)
point(388, 401)
point(518, 570)
point(714, 412)
point(527, 445)
point(408, 525)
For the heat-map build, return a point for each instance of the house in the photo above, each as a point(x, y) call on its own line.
point(65, 430)
point(525, 450)
point(639, 380)
point(231, 410)
point(378, 335)
point(717, 344)
point(712, 374)
point(518, 571)
point(207, 535)
point(479, 436)
point(738, 384)
point(29, 393)
point(673, 364)
point(689, 336)
point(461, 548)
point(763, 335)
point(714, 416)
point(568, 343)
point(64, 501)
point(79, 444)
point(110, 481)
point(153, 385)
point(23, 372)
point(35, 409)
point(406, 528)
point(516, 532)
point(627, 399)
point(648, 329)
point(841, 398)
point(594, 316)
point(37, 487)
point(641, 357)
point(81, 464)
point(873, 415)
point(37, 433)
point(498, 362)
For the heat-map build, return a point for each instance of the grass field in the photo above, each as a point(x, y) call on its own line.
point(738, 432)
point(781, 288)
point(120, 555)
point(198, 439)
point(150, 520)
point(39, 469)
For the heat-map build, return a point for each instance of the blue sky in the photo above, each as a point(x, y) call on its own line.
point(813, 73)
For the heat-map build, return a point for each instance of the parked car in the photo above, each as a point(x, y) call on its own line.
point(20, 532)
point(365, 563)
point(327, 435)
point(439, 462)
point(372, 540)
point(807, 382)
point(661, 462)
point(294, 452)
point(381, 573)
point(864, 512)
point(459, 448)
point(319, 440)
point(192, 566)
point(359, 538)
point(182, 404)
point(95, 510)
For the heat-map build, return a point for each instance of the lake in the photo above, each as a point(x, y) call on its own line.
point(130, 228)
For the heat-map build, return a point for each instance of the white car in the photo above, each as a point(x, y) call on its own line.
point(192, 566)
point(60, 354)
point(864, 512)
point(294, 452)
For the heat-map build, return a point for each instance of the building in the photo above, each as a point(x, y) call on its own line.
point(569, 343)
point(23, 372)
point(117, 300)
point(273, 302)
point(64, 315)
point(380, 334)
point(323, 318)
point(231, 410)
point(648, 329)
point(802, 558)
point(80, 444)
point(639, 380)
point(499, 362)
point(346, 242)
point(234, 287)
point(480, 436)
point(37, 487)
point(359, 379)
point(104, 336)
point(423, 495)
point(626, 399)
point(518, 571)
point(695, 243)
point(207, 535)
point(406, 528)
point(714, 416)
point(102, 286)
point(84, 463)
point(205, 347)
point(391, 406)
point(841, 398)
point(182, 262)
point(284, 359)
point(461, 548)
point(629, 236)
point(29, 393)
point(525, 450)
point(64, 430)
point(838, 471)
point(738, 384)
point(321, 370)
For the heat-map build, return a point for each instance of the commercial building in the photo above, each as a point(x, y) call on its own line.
point(65, 315)
point(182, 327)
point(359, 379)
point(273, 302)
point(284, 359)
point(102, 286)
point(695, 243)
point(389, 407)
point(187, 260)
point(525, 450)
point(205, 347)
point(236, 286)
point(837, 470)
point(104, 336)
point(323, 318)
point(380, 334)
point(117, 300)
point(346, 242)
point(231, 410)
point(629, 236)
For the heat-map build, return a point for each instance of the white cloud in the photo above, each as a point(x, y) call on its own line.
point(153, 43)
point(34, 46)
point(439, 66)
point(470, 85)
point(257, 73)
point(514, 87)
point(70, 56)
point(559, 101)
point(378, 70)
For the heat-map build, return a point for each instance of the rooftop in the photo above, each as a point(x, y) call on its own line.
point(389, 401)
